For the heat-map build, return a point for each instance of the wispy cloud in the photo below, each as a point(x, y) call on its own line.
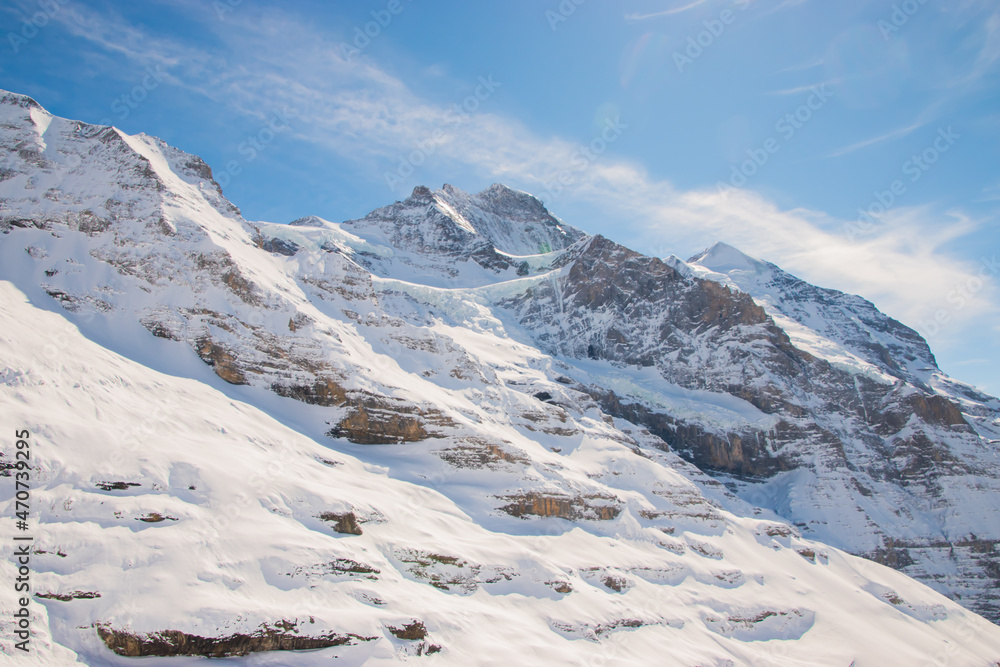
point(803, 66)
point(358, 110)
point(990, 194)
point(787, 4)
point(109, 31)
point(989, 52)
point(803, 89)
point(666, 12)
point(970, 64)
point(898, 133)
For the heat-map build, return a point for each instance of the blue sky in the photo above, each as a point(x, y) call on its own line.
point(633, 119)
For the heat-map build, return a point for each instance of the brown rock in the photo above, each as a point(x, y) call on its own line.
point(241, 287)
point(935, 409)
point(324, 391)
point(343, 523)
point(220, 359)
point(378, 421)
point(367, 428)
point(617, 584)
point(414, 631)
point(565, 507)
point(67, 597)
point(174, 642)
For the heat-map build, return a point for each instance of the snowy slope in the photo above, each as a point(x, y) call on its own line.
point(849, 333)
point(240, 546)
point(449, 238)
point(509, 431)
point(844, 329)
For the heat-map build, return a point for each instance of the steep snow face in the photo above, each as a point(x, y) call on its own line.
point(851, 335)
point(510, 400)
point(514, 221)
point(449, 220)
point(232, 523)
point(117, 175)
point(449, 238)
point(844, 329)
point(724, 258)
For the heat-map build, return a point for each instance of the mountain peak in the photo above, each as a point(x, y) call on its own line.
point(8, 98)
point(501, 189)
point(652, 430)
point(511, 221)
point(500, 194)
point(308, 221)
point(421, 193)
point(723, 258)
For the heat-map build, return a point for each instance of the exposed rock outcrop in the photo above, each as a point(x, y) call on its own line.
point(282, 636)
point(346, 523)
point(573, 508)
point(378, 421)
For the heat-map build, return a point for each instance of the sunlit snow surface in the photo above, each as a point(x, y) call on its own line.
point(243, 547)
point(686, 572)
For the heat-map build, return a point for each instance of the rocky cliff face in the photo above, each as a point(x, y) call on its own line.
point(865, 435)
point(852, 329)
point(930, 435)
point(449, 238)
point(580, 425)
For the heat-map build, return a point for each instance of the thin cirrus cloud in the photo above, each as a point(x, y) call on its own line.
point(638, 16)
point(665, 12)
point(898, 133)
point(803, 89)
point(359, 111)
point(803, 66)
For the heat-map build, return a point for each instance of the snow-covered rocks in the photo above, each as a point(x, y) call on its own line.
point(456, 429)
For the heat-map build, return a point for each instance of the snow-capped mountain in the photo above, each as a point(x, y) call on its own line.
point(459, 430)
point(842, 328)
point(937, 470)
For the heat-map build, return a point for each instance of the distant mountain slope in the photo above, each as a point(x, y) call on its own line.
point(842, 328)
point(845, 329)
point(407, 435)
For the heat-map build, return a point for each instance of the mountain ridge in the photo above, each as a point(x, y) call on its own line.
point(562, 400)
